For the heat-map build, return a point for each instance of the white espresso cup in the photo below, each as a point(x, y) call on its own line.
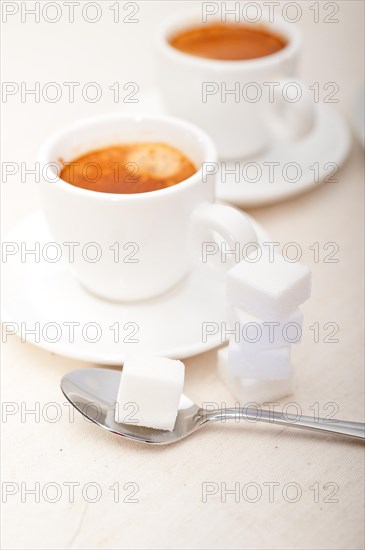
point(153, 232)
point(243, 105)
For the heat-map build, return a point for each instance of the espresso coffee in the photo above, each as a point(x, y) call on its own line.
point(228, 41)
point(129, 168)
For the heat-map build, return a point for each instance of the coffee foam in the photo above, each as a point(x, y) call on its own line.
point(156, 160)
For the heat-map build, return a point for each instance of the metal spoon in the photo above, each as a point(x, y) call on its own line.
point(94, 391)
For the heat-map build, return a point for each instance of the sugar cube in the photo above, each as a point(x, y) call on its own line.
point(254, 333)
point(267, 364)
point(150, 391)
point(250, 390)
point(268, 287)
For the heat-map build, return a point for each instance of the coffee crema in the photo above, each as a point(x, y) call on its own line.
point(129, 168)
point(228, 41)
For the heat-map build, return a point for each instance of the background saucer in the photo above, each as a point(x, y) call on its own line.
point(318, 156)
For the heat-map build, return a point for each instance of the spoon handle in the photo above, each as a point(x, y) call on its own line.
point(343, 427)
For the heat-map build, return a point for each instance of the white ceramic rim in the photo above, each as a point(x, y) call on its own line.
point(188, 20)
point(203, 141)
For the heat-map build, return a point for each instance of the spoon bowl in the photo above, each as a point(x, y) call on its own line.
point(93, 392)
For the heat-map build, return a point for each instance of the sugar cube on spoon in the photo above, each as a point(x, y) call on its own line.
point(150, 391)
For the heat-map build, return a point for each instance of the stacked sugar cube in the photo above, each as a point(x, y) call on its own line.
point(263, 297)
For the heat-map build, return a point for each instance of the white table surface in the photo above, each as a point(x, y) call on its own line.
point(170, 512)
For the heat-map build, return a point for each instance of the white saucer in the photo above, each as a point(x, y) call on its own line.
point(328, 145)
point(46, 292)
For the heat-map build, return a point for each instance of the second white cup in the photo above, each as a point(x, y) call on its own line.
point(243, 105)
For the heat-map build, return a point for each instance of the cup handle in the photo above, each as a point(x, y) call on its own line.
point(215, 226)
point(290, 120)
